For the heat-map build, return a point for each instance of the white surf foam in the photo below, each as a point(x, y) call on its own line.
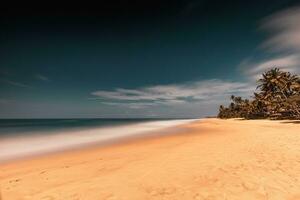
point(29, 144)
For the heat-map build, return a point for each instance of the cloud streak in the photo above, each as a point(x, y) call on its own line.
point(172, 94)
point(284, 27)
point(14, 83)
point(41, 77)
point(253, 70)
point(284, 41)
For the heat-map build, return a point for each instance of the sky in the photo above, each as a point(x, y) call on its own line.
point(141, 59)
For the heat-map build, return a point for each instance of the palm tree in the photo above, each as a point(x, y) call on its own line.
point(294, 99)
point(276, 87)
point(278, 98)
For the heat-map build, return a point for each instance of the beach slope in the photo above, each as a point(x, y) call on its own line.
point(207, 159)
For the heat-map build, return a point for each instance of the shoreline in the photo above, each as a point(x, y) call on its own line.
point(165, 129)
point(206, 159)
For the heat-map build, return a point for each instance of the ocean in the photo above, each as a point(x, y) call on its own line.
point(20, 138)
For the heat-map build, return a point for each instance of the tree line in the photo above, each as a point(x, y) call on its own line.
point(277, 96)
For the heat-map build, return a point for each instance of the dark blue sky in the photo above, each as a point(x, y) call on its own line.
point(53, 61)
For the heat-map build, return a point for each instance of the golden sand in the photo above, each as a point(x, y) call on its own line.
point(208, 159)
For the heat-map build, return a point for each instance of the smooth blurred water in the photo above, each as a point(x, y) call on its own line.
point(31, 126)
point(25, 137)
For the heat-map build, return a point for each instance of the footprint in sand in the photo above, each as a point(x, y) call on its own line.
point(248, 186)
point(14, 181)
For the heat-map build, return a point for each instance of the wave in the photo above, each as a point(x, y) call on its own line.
point(35, 144)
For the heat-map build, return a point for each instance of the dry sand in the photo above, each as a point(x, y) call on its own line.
point(209, 159)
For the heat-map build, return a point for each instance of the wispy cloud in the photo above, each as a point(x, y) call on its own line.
point(14, 83)
point(284, 28)
point(253, 70)
point(132, 105)
point(42, 77)
point(172, 94)
point(283, 42)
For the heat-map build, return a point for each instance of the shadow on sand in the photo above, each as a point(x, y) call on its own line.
point(284, 122)
point(291, 122)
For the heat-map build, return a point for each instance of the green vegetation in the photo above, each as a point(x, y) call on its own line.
point(277, 97)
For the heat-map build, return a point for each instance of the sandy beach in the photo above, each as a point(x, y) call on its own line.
point(206, 159)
